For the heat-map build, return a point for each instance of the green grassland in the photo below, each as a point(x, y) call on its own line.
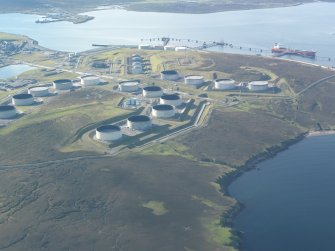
point(10, 37)
point(164, 197)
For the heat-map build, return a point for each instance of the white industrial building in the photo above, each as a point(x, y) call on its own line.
point(62, 84)
point(39, 91)
point(171, 99)
point(139, 122)
point(224, 84)
point(129, 86)
point(194, 80)
point(152, 91)
point(23, 99)
point(7, 111)
point(108, 133)
point(163, 111)
point(258, 86)
point(170, 75)
point(89, 80)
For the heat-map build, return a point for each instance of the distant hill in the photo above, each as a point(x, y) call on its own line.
point(186, 6)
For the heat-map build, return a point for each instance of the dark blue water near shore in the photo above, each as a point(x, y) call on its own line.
point(290, 199)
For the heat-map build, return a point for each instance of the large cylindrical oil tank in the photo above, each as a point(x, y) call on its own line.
point(224, 84)
point(171, 99)
point(194, 80)
point(139, 122)
point(137, 59)
point(62, 84)
point(39, 91)
point(137, 69)
point(89, 80)
point(152, 91)
point(171, 75)
point(163, 111)
point(129, 86)
point(23, 99)
point(7, 111)
point(108, 133)
point(258, 86)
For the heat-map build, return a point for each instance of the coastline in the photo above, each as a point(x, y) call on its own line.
point(228, 219)
point(163, 7)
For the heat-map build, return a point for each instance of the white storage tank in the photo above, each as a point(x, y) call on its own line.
point(224, 84)
point(23, 99)
point(62, 84)
point(108, 133)
point(152, 91)
point(181, 48)
point(137, 70)
point(137, 59)
point(129, 86)
point(163, 111)
point(7, 111)
point(169, 48)
point(258, 86)
point(139, 122)
point(89, 80)
point(39, 91)
point(136, 64)
point(171, 75)
point(194, 80)
point(171, 99)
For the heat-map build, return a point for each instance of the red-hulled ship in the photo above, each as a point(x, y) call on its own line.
point(282, 51)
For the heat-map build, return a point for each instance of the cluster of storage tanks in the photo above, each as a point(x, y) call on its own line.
point(136, 64)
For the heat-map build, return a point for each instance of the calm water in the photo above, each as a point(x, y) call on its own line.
point(11, 71)
point(290, 201)
point(310, 27)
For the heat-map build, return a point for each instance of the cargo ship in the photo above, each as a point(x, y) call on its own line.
point(279, 51)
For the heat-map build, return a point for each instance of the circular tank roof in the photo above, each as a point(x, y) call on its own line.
point(152, 88)
point(163, 107)
point(89, 77)
point(22, 96)
point(129, 83)
point(169, 72)
point(170, 97)
point(224, 79)
point(38, 88)
point(139, 118)
point(259, 83)
point(62, 81)
point(4, 108)
point(108, 128)
point(194, 77)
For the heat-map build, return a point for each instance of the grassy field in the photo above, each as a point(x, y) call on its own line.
point(164, 197)
point(98, 204)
